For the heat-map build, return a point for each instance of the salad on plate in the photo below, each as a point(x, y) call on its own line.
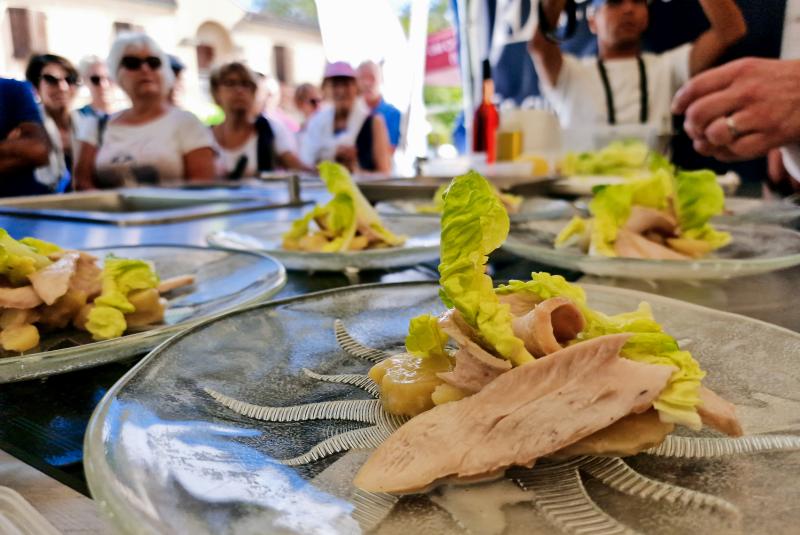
point(666, 216)
point(346, 223)
point(525, 371)
point(44, 288)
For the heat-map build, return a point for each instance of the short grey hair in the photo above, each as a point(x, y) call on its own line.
point(138, 40)
point(87, 62)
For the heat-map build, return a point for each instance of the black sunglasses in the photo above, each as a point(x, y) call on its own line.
point(96, 79)
point(51, 80)
point(244, 84)
point(132, 63)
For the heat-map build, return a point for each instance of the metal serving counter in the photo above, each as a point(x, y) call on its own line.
point(43, 421)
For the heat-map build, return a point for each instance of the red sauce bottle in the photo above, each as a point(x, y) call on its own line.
point(487, 120)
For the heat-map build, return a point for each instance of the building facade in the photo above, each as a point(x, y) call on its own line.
point(202, 33)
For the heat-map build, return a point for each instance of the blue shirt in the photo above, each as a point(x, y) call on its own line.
point(391, 116)
point(18, 106)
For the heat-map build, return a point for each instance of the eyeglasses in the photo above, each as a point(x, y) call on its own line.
point(133, 63)
point(313, 101)
point(96, 79)
point(231, 84)
point(54, 81)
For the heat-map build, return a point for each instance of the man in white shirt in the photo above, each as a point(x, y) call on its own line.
point(623, 85)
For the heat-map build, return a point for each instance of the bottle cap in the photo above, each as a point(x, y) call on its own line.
point(487, 70)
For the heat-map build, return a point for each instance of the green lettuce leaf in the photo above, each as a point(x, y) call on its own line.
point(678, 402)
point(545, 286)
point(40, 246)
point(707, 233)
point(474, 223)
point(426, 339)
point(339, 182)
point(121, 276)
point(610, 208)
point(620, 158)
point(573, 232)
point(698, 198)
point(105, 323)
point(18, 260)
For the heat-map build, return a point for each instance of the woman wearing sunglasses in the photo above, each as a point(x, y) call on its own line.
point(151, 141)
point(56, 81)
point(247, 142)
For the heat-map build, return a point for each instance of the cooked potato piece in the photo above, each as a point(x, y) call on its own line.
point(313, 242)
point(59, 314)
point(446, 393)
point(149, 308)
point(358, 243)
point(80, 319)
point(690, 247)
point(19, 338)
point(407, 383)
point(14, 317)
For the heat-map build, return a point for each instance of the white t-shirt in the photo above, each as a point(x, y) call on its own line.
point(228, 158)
point(320, 141)
point(580, 100)
point(160, 144)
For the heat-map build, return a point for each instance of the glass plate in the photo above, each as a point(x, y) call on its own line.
point(422, 245)
point(754, 249)
point(162, 456)
point(224, 280)
point(583, 184)
point(778, 212)
point(531, 208)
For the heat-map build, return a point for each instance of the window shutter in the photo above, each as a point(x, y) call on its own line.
point(283, 64)
point(20, 32)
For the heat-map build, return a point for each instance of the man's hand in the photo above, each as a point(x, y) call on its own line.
point(347, 156)
point(26, 147)
point(742, 109)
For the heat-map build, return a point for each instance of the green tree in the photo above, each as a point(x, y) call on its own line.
point(301, 10)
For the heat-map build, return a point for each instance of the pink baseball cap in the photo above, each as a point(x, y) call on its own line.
point(339, 68)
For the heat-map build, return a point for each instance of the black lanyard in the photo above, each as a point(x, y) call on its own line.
point(644, 99)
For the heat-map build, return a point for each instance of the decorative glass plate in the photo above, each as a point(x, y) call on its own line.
point(224, 280)
point(754, 249)
point(165, 451)
point(531, 208)
point(422, 245)
point(777, 212)
point(583, 184)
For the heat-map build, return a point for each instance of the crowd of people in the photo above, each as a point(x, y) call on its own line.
point(741, 110)
point(48, 146)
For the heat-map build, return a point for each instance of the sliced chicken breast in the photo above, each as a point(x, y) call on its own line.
point(23, 298)
point(718, 413)
point(643, 219)
point(631, 245)
point(53, 281)
point(549, 325)
point(526, 413)
point(475, 367)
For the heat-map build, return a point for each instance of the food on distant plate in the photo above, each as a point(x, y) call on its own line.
point(346, 223)
point(663, 217)
point(535, 371)
point(44, 287)
point(511, 202)
point(625, 158)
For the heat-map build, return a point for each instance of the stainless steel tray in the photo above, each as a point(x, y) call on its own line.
point(145, 206)
point(376, 190)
